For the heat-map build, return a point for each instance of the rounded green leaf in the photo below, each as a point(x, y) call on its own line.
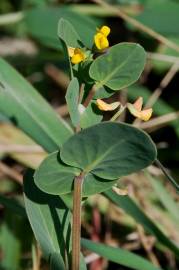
point(119, 67)
point(109, 150)
point(67, 33)
point(54, 177)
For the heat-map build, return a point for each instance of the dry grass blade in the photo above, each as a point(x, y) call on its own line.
point(12, 173)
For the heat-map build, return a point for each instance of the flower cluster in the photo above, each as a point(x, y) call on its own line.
point(101, 42)
point(135, 109)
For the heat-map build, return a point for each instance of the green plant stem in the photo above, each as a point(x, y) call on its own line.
point(76, 226)
point(169, 177)
point(90, 96)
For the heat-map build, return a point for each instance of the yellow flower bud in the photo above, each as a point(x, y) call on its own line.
point(105, 30)
point(101, 41)
point(136, 110)
point(103, 106)
point(77, 56)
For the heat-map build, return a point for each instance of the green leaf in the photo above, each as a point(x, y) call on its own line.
point(72, 98)
point(55, 177)
point(68, 34)
point(119, 255)
point(165, 197)
point(109, 150)
point(103, 92)
point(119, 67)
point(82, 263)
point(49, 219)
point(91, 116)
point(56, 262)
point(29, 111)
point(131, 208)
point(103, 152)
point(155, 13)
point(11, 240)
point(37, 19)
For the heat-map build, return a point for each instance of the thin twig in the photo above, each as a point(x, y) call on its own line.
point(89, 96)
point(11, 18)
point(62, 110)
point(163, 57)
point(158, 91)
point(168, 176)
point(11, 173)
point(18, 148)
point(57, 76)
point(163, 84)
point(159, 121)
point(140, 26)
point(147, 246)
point(36, 256)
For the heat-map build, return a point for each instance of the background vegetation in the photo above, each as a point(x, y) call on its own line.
point(145, 221)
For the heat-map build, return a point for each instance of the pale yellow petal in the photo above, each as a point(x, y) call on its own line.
point(103, 106)
point(133, 110)
point(78, 56)
point(71, 51)
point(138, 104)
point(146, 114)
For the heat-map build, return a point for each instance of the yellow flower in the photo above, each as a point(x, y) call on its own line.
point(103, 106)
point(76, 54)
point(105, 30)
point(136, 110)
point(100, 39)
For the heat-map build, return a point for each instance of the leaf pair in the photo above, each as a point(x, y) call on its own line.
point(103, 153)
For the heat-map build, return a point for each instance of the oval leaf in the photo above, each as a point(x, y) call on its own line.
point(54, 177)
point(119, 67)
point(109, 150)
point(67, 33)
